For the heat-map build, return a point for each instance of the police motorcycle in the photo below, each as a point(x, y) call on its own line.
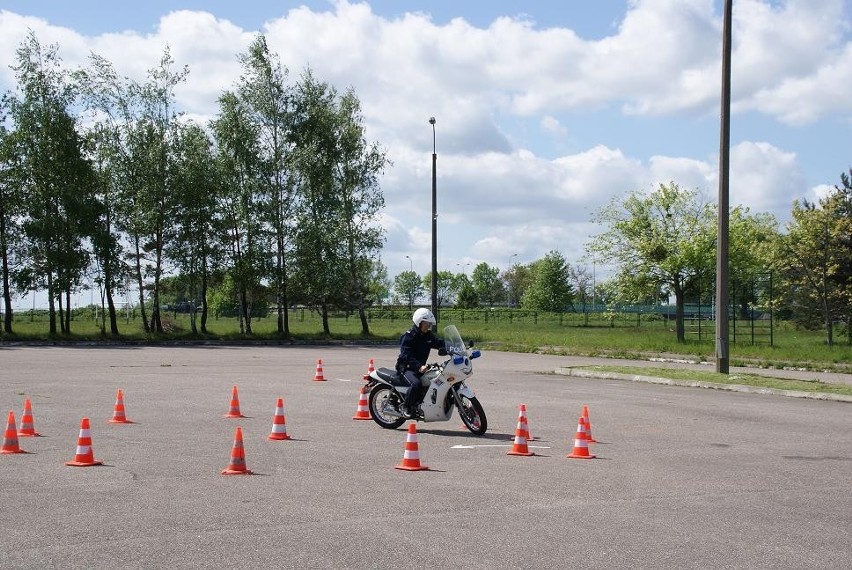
point(445, 389)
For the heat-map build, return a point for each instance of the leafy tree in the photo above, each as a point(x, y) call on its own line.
point(665, 240)
point(753, 240)
point(581, 282)
point(516, 280)
point(409, 286)
point(487, 284)
point(267, 100)
point(814, 254)
point(446, 286)
point(55, 179)
point(11, 209)
point(240, 199)
point(192, 248)
point(551, 288)
point(467, 297)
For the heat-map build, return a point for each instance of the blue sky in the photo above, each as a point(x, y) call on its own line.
point(545, 110)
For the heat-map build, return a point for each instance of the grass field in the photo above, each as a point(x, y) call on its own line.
point(624, 336)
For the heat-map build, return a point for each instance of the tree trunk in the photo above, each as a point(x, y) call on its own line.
point(61, 313)
point(7, 293)
point(113, 319)
point(141, 284)
point(204, 300)
point(325, 328)
point(365, 327)
point(51, 307)
point(679, 325)
point(68, 310)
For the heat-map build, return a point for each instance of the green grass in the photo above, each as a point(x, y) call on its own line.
point(500, 330)
point(741, 379)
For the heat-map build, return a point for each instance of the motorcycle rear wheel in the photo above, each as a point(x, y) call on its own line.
point(472, 415)
point(380, 397)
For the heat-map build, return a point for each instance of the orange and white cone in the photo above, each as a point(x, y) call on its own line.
point(363, 411)
point(279, 423)
point(588, 425)
point(118, 416)
point(84, 457)
point(27, 429)
point(237, 466)
point(411, 457)
point(581, 446)
point(234, 412)
point(318, 377)
point(521, 435)
point(10, 437)
point(370, 369)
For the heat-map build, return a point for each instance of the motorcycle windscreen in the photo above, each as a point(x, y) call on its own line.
point(453, 341)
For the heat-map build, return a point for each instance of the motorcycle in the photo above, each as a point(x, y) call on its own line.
point(445, 389)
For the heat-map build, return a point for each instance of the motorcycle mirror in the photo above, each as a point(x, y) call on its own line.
point(442, 352)
point(470, 344)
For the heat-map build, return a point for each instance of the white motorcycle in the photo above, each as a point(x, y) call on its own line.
point(445, 389)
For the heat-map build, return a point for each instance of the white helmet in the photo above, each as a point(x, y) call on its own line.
point(421, 315)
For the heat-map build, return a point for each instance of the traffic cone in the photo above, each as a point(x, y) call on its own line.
point(521, 435)
point(370, 369)
point(27, 429)
point(318, 377)
point(581, 446)
point(237, 466)
point(10, 437)
point(279, 423)
point(85, 457)
point(588, 425)
point(363, 411)
point(118, 416)
point(411, 457)
point(235, 405)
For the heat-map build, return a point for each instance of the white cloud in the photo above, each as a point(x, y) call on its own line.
point(792, 61)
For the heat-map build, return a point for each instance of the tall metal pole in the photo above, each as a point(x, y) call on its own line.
point(722, 358)
point(434, 222)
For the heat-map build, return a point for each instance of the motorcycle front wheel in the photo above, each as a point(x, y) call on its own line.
point(381, 398)
point(472, 414)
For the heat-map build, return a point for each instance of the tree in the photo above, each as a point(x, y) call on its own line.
point(446, 283)
point(11, 209)
point(581, 283)
point(192, 247)
point(409, 286)
point(516, 280)
point(815, 258)
point(268, 103)
point(239, 201)
point(467, 297)
point(56, 181)
point(487, 284)
point(665, 240)
point(550, 289)
point(753, 241)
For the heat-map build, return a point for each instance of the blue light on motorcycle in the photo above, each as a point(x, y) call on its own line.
point(458, 360)
point(475, 354)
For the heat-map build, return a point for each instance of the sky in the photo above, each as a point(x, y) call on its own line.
point(545, 111)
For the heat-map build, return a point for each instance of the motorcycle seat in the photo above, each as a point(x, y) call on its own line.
point(392, 376)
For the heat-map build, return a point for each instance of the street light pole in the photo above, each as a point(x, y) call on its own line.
point(722, 358)
point(410, 263)
point(511, 265)
point(434, 222)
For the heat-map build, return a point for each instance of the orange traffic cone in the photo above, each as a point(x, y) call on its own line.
point(10, 437)
point(237, 466)
point(118, 416)
point(279, 423)
point(588, 425)
point(521, 435)
point(581, 446)
point(363, 411)
point(85, 457)
point(318, 377)
point(234, 412)
point(411, 457)
point(27, 429)
point(370, 369)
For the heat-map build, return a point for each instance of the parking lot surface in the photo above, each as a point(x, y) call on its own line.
point(684, 477)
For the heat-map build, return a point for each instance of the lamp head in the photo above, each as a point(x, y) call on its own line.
point(432, 121)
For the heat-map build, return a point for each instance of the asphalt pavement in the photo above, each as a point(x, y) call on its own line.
point(683, 478)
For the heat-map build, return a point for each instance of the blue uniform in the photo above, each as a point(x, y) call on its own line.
point(414, 347)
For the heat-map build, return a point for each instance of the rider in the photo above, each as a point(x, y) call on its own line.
point(414, 347)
